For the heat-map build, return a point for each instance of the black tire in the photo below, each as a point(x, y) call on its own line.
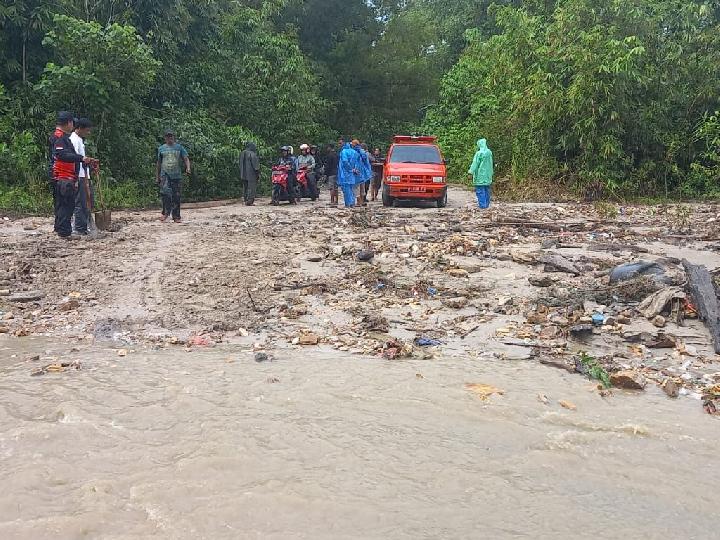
point(387, 200)
point(442, 201)
point(276, 193)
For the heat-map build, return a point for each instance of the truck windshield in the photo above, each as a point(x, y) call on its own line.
point(415, 153)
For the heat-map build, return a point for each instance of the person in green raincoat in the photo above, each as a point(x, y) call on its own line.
point(481, 173)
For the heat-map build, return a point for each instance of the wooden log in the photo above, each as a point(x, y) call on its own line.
point(543, 225)
point(704, 296)
point(558, 263)
point(600, 246)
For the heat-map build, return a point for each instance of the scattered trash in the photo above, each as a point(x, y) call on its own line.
point(427, 342)
point(122, 352)
point(598, 319)
point(542, 398)
point(632, 270)
point(656, 303)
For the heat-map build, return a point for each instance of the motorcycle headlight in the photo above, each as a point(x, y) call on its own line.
point(438, 179)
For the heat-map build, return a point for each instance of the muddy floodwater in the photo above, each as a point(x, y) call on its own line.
point(244, 376)
point(206, 445)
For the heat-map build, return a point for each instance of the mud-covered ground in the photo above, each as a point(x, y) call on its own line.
point(520, 282)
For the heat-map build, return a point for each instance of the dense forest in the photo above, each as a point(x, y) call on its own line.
point(598, 97)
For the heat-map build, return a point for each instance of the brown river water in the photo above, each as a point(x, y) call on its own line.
point(203, 444)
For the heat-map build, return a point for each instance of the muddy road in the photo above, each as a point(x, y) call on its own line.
point(244, 375)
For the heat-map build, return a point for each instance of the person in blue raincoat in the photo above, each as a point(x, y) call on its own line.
point(347, 174)
point(481, 173)
point(364, 172)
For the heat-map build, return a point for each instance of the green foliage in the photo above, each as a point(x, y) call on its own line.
point(595, 370)
point(610, 98)
point(606, 210)
point(602, 97)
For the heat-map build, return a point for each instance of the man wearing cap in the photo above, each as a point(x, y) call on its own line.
point(64, 161)
point(85, 195)
point(170, 158)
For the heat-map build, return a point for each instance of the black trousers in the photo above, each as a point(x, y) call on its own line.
point(171, 203)
point(249, 190)
point(64, 197)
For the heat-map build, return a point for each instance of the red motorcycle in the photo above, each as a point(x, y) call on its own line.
point(280, 184)
point(307, 184)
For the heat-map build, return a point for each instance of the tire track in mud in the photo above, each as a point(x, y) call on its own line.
point(138, 296)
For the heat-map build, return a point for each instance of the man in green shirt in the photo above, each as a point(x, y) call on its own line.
point(170, 160)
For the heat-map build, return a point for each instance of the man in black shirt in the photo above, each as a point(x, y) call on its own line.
point(331, 170)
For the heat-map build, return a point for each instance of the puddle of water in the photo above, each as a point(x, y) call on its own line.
point(171, 444)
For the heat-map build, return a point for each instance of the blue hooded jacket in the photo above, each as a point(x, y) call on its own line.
point(364, 165)
point(348, 162)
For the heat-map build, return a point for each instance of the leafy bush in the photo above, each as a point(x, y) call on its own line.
point(604, 97)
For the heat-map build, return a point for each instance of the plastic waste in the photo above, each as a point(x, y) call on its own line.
point(627, 271)
point(598, 319)
point(427, 342)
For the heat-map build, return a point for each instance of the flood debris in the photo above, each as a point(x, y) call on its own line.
point(704, 294)
point(628, 379)
point(542, 283)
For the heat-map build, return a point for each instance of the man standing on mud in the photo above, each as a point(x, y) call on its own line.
point(249, 173)
point(331, 171)
point(85, 195)
point(170, 158)
point(63, 172)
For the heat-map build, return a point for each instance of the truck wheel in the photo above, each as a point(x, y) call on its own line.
point(387, 200)
point(442, 201)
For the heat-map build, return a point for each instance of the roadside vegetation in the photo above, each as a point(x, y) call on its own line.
point(604, 100)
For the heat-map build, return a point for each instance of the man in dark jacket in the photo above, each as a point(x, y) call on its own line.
point(249, 173)
point(63, 172)
point(331, 171)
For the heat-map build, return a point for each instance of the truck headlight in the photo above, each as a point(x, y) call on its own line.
point(439, 179)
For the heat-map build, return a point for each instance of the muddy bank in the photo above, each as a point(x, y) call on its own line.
point(524, 281)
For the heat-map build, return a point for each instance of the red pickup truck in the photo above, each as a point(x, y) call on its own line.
point(414, 169)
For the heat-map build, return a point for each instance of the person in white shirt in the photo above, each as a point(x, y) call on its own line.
point(85, 195)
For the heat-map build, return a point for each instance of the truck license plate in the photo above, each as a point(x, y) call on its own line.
point(417, 189)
